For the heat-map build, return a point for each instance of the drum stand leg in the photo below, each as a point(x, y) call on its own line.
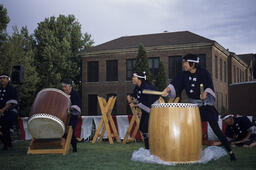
point(135, 120)
point(106, 121)
point(51, 146)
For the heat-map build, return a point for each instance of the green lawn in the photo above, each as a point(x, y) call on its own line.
point(106, 156)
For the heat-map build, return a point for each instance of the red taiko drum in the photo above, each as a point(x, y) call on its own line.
point(49, 113)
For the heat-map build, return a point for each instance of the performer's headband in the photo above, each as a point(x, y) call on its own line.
point(227, 116)
point(191, 60)
point(142, 77)
point(6, 76)
point(66, 84)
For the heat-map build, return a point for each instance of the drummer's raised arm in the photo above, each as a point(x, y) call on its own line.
point(169, 91)
point(166, 91)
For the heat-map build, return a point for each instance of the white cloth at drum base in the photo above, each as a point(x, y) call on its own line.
point(209, 153)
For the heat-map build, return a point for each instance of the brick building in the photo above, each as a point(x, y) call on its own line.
point(107, 68)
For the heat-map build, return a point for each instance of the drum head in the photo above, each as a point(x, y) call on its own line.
point(45, 126)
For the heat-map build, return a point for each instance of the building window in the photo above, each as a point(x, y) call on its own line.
point(217, 97)
point(175, 66)
point(114, 111)
point(221, 70)
point(216, 67)
point(92, 104)
point(234, 69)
point(154, 66)
point(237, 72)
point(92, 71)
point(241, 76)
point(226, 101)
point(221, 100)
point(202, 60)
point(112, 70)
point(130, 66)
point(225, 71)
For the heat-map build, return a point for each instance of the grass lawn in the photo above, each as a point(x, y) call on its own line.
point(106, 156)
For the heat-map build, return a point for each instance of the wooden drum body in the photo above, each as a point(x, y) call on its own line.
point(49, 114)
point(175, 133)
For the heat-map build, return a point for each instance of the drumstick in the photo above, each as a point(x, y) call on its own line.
point(152, 92)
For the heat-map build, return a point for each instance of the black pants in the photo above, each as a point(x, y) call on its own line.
point(7, 121)
point(210, 114)
point(73, 122)
point(144, 122)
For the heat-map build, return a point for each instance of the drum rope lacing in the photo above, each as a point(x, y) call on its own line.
point(174, 105)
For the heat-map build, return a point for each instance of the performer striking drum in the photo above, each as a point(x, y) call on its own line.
point(190, 80)
point(143, 101)
point(75, 110)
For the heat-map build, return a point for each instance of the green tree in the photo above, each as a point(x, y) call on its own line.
point(161, 78)
point(4, 20)
point(142, 62)
point(59, 41)
point(19, 50)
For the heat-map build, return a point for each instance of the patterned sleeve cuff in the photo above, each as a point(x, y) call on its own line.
point(172, 93)
point(144, 107)
point(210, 91)
point(12, 101)
point(76, 108)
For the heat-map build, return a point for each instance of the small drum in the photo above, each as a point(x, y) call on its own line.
point(175, 133)
point(49, 113)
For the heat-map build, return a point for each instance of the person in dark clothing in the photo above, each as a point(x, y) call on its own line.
point(198, 85)
point(143, 101)
point(8, 109)
point(75, 109)
point(240, 131)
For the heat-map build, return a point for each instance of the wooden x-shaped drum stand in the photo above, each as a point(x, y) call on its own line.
point(135, 120)
point(106, 110)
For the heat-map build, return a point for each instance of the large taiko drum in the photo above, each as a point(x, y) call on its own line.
point(49, 113)
point(175, 133)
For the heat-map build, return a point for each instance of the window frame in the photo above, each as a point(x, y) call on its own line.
point(154, 70)
point(91, 71)
point(177, 63)
point(110, 77)
point(133, 63)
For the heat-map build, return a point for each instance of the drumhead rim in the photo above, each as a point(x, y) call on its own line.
point(55, 90)
point(48, 116)
point(160, 105)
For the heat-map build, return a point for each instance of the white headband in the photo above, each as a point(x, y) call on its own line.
point(5, 76)
point(142, 77)
point(227, 116)
point(66, 84)
point(194, 61)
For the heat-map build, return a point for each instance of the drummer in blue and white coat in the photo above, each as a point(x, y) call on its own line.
point(143, 101)
point(8, 109)
point(75, 109)
point(190, 81)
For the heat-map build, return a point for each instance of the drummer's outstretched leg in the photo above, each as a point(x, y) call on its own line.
point(216, 129)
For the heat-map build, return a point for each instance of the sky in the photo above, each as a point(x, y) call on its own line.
point(231, 23)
